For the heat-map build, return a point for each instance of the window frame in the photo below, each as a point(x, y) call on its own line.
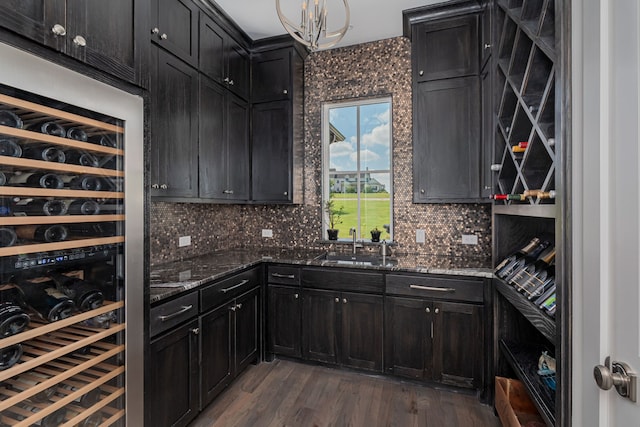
point(325, 132)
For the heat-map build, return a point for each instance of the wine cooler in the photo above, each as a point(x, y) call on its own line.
point(71, 233)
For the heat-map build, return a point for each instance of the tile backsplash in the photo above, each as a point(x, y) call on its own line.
point(381, 68)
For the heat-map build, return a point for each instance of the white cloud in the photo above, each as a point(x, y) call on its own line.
point(378, 136)
point(384, 116)
point(366, 156)
point(341, 149)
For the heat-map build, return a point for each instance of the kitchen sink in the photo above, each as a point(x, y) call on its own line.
point(348, 259)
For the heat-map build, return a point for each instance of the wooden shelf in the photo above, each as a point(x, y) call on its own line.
point(62, 219)
point(533, 314)
point(58, 246)
point(64, 168)
point(524, 361)
point(541, 211)
point(46, 192)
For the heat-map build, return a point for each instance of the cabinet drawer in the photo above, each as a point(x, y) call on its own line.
point(167, 315)
point(225, 289)
point(457, 289)
point(283, 275)
point(342, 280)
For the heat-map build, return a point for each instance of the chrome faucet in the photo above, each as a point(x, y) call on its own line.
point(352, 232)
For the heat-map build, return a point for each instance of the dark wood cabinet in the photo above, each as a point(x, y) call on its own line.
point(238, 149)
point(321, 325)
point(172, 392)
point(272, 75)
point(239, 65)
point(174, 26)
point(487, 187)
point(284, 321)
point(217, 352)
point(247, 329)
point(447, 140)
point(101, 34)
point(361, 331)
point(174, 127)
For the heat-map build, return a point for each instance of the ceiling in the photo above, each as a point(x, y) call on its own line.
point(370, 19)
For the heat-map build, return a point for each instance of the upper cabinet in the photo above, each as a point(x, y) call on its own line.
point(100, 34)
point(174, 26)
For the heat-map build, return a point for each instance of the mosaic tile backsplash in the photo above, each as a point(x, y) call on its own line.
point(381, 68)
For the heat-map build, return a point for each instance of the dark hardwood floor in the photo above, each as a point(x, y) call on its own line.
point(284, 393)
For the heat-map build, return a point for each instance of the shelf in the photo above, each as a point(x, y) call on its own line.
point(542, 41)
point(60, 219)
point(46, 192)
point(64, 168)
point(57, 246)
point(543, 323)
point(540, 211)
point(524, 361)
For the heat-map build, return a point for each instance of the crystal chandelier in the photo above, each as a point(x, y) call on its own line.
point(312, 31)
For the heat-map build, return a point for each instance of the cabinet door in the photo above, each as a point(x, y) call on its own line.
point(239, 157)
point(271, 152)
point(362, 331)
point(486, 44)
point(213, 46)
point(212, 160)
point(174, 26)
point(172, 392)
point(408, 337)
point(445, 49)
point(284, 320)
point(217, 352)
point(271, 76)
point(35, 19)
point(320, 325)
point(446, 151)
point(174, 127)
point(458, 333)
point(247, 329)
point(238, 69)
point(108, 29)
point(487, 146)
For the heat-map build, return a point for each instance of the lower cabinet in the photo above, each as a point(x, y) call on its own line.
point(284, 308)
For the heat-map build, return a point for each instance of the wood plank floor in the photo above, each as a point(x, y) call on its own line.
point(284, 393)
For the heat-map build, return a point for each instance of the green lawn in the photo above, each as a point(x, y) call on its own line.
point(375, 213)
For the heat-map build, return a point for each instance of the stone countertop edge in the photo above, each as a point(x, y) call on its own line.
point(166, 281)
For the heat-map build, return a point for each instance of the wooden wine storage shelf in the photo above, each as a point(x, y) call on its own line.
point(62, 219)
point(58, 246)
point(29, 164)
point(46, 192)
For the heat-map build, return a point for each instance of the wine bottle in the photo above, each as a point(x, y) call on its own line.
point(45, 207)
point(9, 147)
point(81, 158)
point(551, 290)
point(4, 178)
point(97, 229)
point(9, 356)
point(31, 379)
point(541, 290)
point(13, 319)
point(93, 420)
point(529, 258)
point(47, 153)
point(104, 140)
point(49, 128)
point(88, 399)
point(84, 207)
point(518, 197)
point(85, 295)
point(11, 119)
point(86, 182)
point(534, 274)
point(102, 321)
point(43, 233)
point(77, 134)
point(546, 194)
point(513, 257)
point(43, 180)
point(6, 206)
point(8, 237)
point(43, 297)
point(55, 419)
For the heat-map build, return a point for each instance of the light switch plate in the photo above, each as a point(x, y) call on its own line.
point(420, 236)
point(469, 239)
point(184, 241)
point(267, 232)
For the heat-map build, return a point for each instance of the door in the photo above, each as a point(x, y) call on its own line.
point(212, 160)
point(213, 42)
point(247, 329)
point(35, 19)
point(284, 320)
point(239, 157)
point(216, 352)
point(271, 76)
point(320, 317)
point(238, 69)
point(605, 205)
point(174, 26)
point(361, 331)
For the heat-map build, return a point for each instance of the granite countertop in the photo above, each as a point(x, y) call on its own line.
point(175, 277)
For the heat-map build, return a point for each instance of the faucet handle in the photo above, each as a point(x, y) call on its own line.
point(352, 231)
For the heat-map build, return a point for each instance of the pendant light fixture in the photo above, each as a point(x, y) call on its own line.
point(312, 31)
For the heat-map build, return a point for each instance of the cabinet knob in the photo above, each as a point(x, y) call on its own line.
point(487, 187)
point(228, 191)
point(286, 193)
point(163, 36)
point(239, 306)
point(230, 82)
point(421, 73)
point(422, 191)
point(285, 91)
point(155, 186)
point(487, 45)
point(195, 331)
point(164, 186)
point(437, 310)
point(296, 296)
point(155, 30)
point(337, 299)
point(344, 300)
point(79, 41)
point(428, 310)
point(232, 308)
point(58, 30)
point(226, 80)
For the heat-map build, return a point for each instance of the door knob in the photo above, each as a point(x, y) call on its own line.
point(79, 41)
point(58, 30)
point(195, 331)
point(618, 375)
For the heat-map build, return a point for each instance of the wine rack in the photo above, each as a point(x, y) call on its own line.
point(69, 359)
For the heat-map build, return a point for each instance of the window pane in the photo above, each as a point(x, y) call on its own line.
point(375, 138)
point(375, 205)
point(342, 138)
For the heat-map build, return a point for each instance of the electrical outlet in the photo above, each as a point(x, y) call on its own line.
point(469, 239)
point(267, 232)
point(184, 241)
point(420, 236)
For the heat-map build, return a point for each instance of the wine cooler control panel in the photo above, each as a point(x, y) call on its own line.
point(58, 258)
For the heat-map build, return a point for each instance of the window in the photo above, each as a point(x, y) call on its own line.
point(357, 175)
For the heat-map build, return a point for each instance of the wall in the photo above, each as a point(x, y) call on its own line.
point(374, 69)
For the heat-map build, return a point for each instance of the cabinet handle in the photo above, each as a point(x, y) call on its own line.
point(155, 30)
point(487, 45)
point(228, 191)
point(437, 310)
point(286, 193)
point(432, 288)
point(239, 306)
point(226, 80)
point(155, 186)
point(421, 73)
point(195, 331)
point(344, 300)
point(163, 36)
point(232, 308)
point(231, 82)
point(283, 276)
point(428, 310)
point(285, 91)
point(164, 186)
point(296, 296)
point(79, 41)
point(337, 299)
point(59, 30)
point(184, 309)
point(244, 282)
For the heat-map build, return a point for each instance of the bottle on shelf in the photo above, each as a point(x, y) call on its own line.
point(93, 420)
point(49, 128)
point(88, 399)
point(86, 182)
point(13, 319)
point(47, 301)
point(104, 140)
point(81, 158)
point(93, 229)
point(9, 147)
point(4, 178)
point(535, 272)
point(42, 180)
point(43, 233)
point(77, 133)
point(47, 153)
point(84, 207)
point(101, 321)
point(529, 258)
point(10, 119)
point(507, 266)
point(517, 197)
point(85, 295)
point(9, 356)
point(31, 379)
point(8, 237)
point(39, 207)
point(54, 419)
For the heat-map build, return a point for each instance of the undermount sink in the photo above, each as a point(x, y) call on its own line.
point(348, 259)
